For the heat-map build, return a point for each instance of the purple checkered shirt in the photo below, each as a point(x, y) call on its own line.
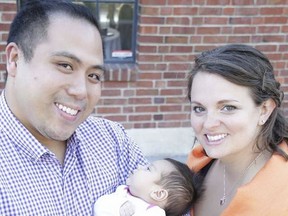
point(99, 157)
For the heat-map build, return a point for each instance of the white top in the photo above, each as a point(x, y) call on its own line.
point(109, 205)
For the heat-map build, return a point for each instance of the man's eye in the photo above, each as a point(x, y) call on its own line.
point(229, 108)
point(95, 77)
point(66, 66)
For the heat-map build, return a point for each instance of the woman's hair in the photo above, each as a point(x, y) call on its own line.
point(244, 65)
point(183, 186)
point(30, 26)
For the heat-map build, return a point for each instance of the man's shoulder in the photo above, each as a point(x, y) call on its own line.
point(97, 121)
point(100, 125)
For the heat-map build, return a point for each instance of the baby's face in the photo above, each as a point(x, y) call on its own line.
point(143, 180)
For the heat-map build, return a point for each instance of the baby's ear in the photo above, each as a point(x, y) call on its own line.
point(159, 194)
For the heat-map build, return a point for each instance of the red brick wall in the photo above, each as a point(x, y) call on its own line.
point(152, 93)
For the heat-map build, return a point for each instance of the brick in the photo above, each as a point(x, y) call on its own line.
point(276, 20)
point(176, 75)
point(179, 39)
point(146, 109)
point(8, 17)
point(139, 100)
point(239, 39)
point(268, 29)
point(244, 30)
point(150, 76)
point(183, 30)
point(150, 58)
point(160, 84)
point(109, 93)
point(103, 110)
point(140, 118)
point(176, 58)
point(272, 11)
point(144, 84)
point(216, 20)
point(215, 39)
point(190, 11)
point(218, 2)
point(243, 2)
point(171, 108)
point(171, 92)
point(151, 39)
point(148, 30)
point(210, 11)
point(158, 117)
point(208, 30)
point(179, 2)
point(176, 100)
point(150, 11)
point(146, 92)
point(247, 11)
point(166, 11)
point(152, 2)
point(178, 20)
point(158, 100)
point(117, 118)
point(152, 20)
point(181, 49)
point(8, 7)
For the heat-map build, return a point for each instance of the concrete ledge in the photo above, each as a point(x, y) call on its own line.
point(164, 142)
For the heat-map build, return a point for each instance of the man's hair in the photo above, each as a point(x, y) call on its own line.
point(30, 26)
point(183, 186)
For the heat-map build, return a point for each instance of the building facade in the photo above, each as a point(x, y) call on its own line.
point(150, 92)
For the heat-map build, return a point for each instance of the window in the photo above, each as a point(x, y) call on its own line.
point(118, 20)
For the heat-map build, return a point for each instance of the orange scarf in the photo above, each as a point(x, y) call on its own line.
point(265, 195)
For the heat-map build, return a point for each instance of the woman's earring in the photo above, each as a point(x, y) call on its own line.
point(262, 122)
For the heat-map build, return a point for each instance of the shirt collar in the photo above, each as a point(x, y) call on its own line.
point(22, 138)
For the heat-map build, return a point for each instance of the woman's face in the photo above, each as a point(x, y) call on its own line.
point(224, 117)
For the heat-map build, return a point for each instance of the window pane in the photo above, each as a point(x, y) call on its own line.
point(117, 23)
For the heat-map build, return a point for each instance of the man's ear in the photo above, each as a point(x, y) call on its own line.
point(266, 109)
point(159, 194)
point(12, 55)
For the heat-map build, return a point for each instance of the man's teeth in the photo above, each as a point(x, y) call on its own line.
point(68, 110)
point(216, 137)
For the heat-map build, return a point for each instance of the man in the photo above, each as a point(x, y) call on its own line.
point(54, 158)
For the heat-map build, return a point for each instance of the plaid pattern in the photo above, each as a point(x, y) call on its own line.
point(99, 158)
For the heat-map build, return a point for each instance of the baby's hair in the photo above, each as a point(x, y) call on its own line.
point(183, 186)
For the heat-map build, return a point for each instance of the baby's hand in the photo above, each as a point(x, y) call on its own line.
point(127, 209)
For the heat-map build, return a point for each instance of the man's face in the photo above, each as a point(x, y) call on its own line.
point(59, 88)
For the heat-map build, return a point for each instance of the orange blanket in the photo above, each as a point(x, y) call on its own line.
point(265, 195)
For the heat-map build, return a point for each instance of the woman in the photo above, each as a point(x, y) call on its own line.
point(243, 134)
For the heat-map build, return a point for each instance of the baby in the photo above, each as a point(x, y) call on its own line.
point(165, 187)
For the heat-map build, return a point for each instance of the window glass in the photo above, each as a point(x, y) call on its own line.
point(117, 20)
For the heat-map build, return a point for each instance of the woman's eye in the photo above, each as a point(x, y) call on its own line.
point(198, 109)
point(229, 108)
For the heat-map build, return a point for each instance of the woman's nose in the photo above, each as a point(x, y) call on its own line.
point(211, 120)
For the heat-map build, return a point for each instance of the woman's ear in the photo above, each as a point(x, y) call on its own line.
point(12, 54)
point(159, 194)
point(266, 109)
